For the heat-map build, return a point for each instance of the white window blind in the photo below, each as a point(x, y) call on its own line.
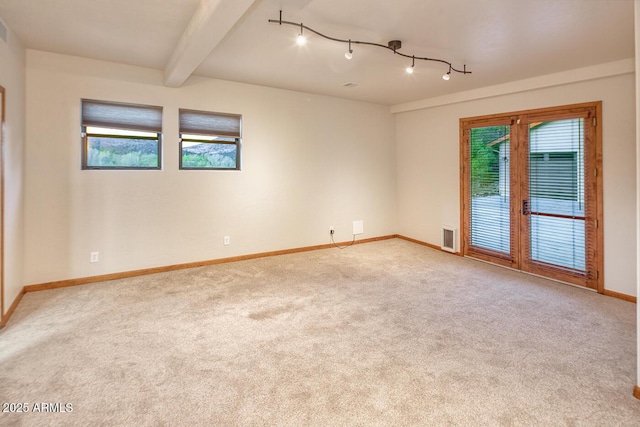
point(209, 123)
point(557, 193)
point(121, 116)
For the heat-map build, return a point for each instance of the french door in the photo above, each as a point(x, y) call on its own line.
point(532, 192)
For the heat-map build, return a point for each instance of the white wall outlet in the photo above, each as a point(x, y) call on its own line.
point(358, 227)
point(226, 240)
point(95, 257)
point(332, 230)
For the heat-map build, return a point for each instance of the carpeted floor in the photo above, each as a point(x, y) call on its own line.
point(379, 334)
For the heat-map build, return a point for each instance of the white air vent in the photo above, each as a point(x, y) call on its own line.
point(3, 32)
point(448, 239)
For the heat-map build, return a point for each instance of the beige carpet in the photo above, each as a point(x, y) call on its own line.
point(379, 334)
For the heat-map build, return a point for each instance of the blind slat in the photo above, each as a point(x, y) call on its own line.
point(122, 116)
point(210, 123)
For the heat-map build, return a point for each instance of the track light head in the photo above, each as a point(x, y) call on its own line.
point(410, 69)
point(447, 76)
point(349, 54)
point(301, 40)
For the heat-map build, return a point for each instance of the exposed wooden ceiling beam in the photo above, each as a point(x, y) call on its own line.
point(210, 23)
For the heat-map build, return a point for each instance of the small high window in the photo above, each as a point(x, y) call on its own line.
point(120, 136)
point(209, 140)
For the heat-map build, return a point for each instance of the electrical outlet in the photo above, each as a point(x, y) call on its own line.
point(226, 240)
point(95, 257)
point(331, 230)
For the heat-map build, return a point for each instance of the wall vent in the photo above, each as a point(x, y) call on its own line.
point(3, 32)
point(448, 239)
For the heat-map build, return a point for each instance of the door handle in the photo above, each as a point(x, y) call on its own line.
point(525, 207)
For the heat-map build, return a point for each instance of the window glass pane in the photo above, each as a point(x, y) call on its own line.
point(556, 192)
point(559, 241)
point(120, 135)
point(104, 151)
point(201, 137)
point(207, 155)
point(490, 193)
point(209, 140)
point(556, 167)
point(110, 131)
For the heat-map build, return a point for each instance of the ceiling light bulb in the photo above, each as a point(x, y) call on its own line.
point(409, 70)
point(446, 76)
point(301, 40)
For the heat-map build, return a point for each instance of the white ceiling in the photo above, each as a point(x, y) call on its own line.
point(498, 40)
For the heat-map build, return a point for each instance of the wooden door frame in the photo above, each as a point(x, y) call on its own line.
point(3, 95)
point(516, 159)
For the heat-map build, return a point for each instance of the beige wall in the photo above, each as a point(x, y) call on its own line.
point(309, 162)
point(12, 70)
point(428, 188)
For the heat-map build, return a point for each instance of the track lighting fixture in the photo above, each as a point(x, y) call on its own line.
point(393, 45)
point(349, 54)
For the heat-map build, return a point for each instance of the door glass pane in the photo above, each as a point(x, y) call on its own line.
point(558, 241)
point(556, 192)
point(490, 222)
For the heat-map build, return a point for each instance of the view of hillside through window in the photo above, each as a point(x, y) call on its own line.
point(117, 148)
point(208, 152)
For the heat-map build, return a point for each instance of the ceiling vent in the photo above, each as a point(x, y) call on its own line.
point(3, 32)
